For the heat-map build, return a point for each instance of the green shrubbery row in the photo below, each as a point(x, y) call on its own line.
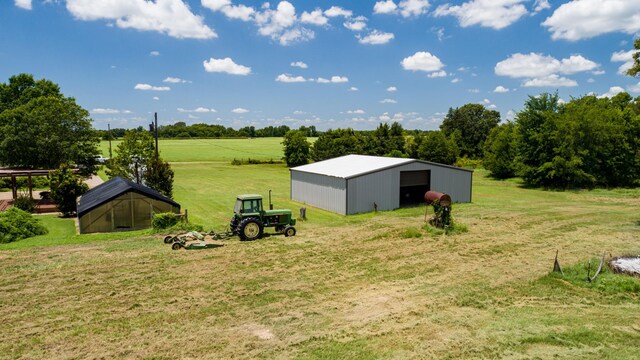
point(16, 224)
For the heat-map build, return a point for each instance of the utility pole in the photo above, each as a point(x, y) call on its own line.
point(155, 128)
point(109, 132)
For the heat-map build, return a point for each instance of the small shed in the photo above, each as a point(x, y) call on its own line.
point(121, 205)
point(354, 184)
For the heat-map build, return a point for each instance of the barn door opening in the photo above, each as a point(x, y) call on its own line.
point(413, 186)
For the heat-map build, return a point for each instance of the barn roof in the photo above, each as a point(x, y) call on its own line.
point(113, 188)
point(350, 166)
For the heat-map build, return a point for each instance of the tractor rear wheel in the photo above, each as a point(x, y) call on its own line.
point(289, 231)
point(250, 229)
point(168, 239)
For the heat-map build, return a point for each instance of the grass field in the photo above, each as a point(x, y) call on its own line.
point(194, 150)
point(372, 286)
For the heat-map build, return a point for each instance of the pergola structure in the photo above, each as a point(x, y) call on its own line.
point(14, 173)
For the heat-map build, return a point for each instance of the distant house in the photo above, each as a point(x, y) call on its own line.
point(121, 205)
point(354, 184)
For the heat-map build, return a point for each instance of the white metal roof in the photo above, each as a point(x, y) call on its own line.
point(349, 166)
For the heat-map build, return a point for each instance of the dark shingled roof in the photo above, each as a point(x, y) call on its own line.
point(113, 188)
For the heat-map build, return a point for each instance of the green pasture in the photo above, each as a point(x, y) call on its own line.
point(370, 286)
point(196, 150)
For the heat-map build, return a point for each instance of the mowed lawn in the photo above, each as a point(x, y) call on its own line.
point(371, 286)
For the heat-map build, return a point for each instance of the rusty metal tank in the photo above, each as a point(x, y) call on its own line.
point(432, 196)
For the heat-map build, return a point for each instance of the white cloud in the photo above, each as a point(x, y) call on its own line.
point(492, 107)
point(105, 111)
point(299, 112)
point(156, 98)
point(280, 24)
point(239, 111)
point(496, 14)
point(543, 70)
point(295, 35)
point(216, 5)
point(392, 89)
point(625, 57)
point(147, 87)
point(286, 78)
point(406, 8)
point(410, 8)
point(388, 101)
point(357, 24)
point(334, 79)
point(358, 111)
point(171, 17)
point(385, 7)
point(584, 19)
point(241, 12)
point(335, 11)
point(339, 79)
point(175, 80)
point(154, 53)
point(540, 5)
point(422, 61)
point(500, 89)
point(437, 74)
point(613, 91)
point(273, 22)
point(455, 81)
point(316, 17)
point(226, 65)
point(634, 88)
point(474, 91)
point(553, 80)
point(353, 88)
point(24, 4)
point(197, 110)
point(376, 38)
point(590, 80)
point(299, 64)
point(439, 33)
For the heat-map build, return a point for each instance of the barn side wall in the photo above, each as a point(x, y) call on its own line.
point(325, 192)
point(129, 211)
point(456, 183)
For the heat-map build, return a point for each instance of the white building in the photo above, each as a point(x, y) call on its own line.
point(354, 184)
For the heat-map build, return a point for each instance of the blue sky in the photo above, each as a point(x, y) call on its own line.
point(326, 63)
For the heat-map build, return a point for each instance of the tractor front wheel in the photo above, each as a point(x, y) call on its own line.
point(289, 231)
point(250, 229)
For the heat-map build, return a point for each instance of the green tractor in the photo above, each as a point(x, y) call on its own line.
point(249, 218)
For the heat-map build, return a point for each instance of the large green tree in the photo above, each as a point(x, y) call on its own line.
point(436, 147)
point(584, 143)
point(635, 69)
point(296, 148)
point(339, 142)
point(500, 151)
point(470, 125)
point(136, 160)
point(41, 128)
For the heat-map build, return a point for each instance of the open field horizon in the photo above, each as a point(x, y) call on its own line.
point(369, 286)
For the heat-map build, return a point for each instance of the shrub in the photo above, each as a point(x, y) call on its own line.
point(65, 188)
point(24, 202)
point(164, 220)
point(16, 224)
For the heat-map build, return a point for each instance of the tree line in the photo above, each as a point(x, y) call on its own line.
point(584, 143)
point(181, 130)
